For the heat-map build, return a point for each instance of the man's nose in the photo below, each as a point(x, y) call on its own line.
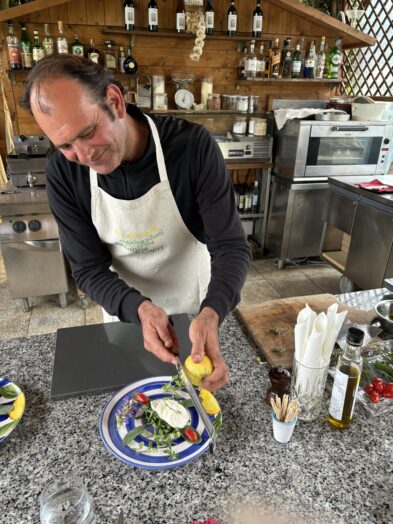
point(83, 152)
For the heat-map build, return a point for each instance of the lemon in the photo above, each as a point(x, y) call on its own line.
point(19, 407)
point(209, 402)
point(197, 372)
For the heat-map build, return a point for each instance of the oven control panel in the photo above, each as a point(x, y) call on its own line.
point(31, 145)
point(21, 228)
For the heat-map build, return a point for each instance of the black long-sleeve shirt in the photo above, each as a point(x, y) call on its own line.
point(203, 193)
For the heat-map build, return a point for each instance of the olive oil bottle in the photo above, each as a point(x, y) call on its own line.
point(346, 381)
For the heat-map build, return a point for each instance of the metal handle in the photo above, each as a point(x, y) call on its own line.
point(349, 128)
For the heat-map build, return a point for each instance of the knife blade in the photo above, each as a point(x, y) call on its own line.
point(198, 406)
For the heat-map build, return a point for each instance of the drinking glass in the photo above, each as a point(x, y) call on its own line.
point(308, 386)
point(65, 500)
point(354, 15)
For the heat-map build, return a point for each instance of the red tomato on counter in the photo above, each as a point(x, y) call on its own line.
point(369, 389)
point(378, 385)
point(374, 397)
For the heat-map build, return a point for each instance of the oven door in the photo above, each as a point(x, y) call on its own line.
point(347, 149)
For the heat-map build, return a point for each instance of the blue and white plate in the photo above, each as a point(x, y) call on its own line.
point(142, 457)
point(12, 406)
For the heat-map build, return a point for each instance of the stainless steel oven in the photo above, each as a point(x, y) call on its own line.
point(315, 149)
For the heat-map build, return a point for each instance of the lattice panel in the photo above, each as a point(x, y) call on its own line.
point(369, 70)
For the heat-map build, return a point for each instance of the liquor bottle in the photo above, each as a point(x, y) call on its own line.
point(152, 12)
point(180, 17)
point(335, 60)
point(287, 58)
point(268, 57)
point(309, 64)
point(209, 17)
point(27, 56)
point(276, 59)
point(303, 55)
point(93, 53)
point(77, 48)
point(241, 70)
point(251, 65)
point(122, 58)
point(346, 381)
point(261, 67)
point(47, 43)
point(232, 19)
point(321, 59)
point(38, 50)
point(326, 67)
point(62, 43)
point(14, 3)
point(129, 15)
point(248, 199)
point(257, 20)
point(130, 65)
point(296, 62)
point(110, 55)
point(255, 198)
point(13, 46)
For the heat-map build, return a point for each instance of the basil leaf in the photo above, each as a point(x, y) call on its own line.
point(131, 435)
point(9, 391)
point(4, 410)
point(187, 403)
point(7, 427)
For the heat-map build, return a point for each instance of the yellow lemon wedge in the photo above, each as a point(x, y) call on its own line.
point(19, 407)
point(197, 372)
point(209, 402)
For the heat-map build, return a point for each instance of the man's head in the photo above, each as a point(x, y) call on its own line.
point(80, 106)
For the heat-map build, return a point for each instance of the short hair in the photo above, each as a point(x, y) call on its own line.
point(94, 77)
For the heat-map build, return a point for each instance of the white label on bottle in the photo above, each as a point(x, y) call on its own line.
point(251, 65)
point(336, 60)
point(62, 46)
point(94, 57)
point(296, 66)
point(180, 21)
point(232, 22)
point(257, 23)
point(338, 395)
point(129, 15)
point(77, 50)
point(38, 54)
point(310, 62)
point(153, 16)
point(209, 20)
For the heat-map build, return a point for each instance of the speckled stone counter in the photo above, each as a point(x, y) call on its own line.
point(323, 475)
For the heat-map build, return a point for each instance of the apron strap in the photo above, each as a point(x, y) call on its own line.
point(159, 154)
point(93, 178)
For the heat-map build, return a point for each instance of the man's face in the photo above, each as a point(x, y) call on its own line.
point(82, 130)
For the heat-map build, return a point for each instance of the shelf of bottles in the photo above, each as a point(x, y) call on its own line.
point(17, 10)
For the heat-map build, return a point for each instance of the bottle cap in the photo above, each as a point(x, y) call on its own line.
point(355, 336)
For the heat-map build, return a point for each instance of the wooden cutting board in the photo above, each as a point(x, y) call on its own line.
point(282, 314)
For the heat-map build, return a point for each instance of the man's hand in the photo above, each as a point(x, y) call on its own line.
point(204, 338)
point(158, 334)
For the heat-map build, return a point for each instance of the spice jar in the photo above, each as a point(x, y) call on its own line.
point(158, 83)
point(242, 103)
point(225, 102)
point(232, 102)
point(253, 102)
point(280, 380)
point(213, 102)
point(260, 127)
point(240, 125)
point(160, 101)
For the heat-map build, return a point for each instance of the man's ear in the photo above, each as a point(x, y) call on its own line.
point(115, 100)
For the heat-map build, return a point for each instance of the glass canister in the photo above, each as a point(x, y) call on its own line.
point(206, 89)
point(158, 82)
point(253, 102)
point(214, 102)
point(242, 104)
point(160, 101)
point(225, 102)
point(232, 102)
point(260, 127)
point(240, 125)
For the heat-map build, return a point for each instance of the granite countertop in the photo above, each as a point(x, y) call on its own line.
point(348, 183)
point(323, 475)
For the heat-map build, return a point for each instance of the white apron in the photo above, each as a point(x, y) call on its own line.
point(152, 249)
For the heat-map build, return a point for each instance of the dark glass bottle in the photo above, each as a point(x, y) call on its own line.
point(209, 18)
point(130, 65)
point(13, 45)
point(129, 15)
point(180, 17)
point(257, 20)
point(14, 3)
point(232, 19)
point(93, 53)
point(152, 12)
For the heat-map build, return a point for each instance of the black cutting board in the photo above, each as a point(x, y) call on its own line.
point(105, 357)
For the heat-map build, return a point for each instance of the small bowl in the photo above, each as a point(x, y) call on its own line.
point(384, 312)
point(12, 407)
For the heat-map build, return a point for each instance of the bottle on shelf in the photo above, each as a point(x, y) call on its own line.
point(209, 17)
point(303, 55)
point(346, 381)
point(268, 58)
point(335, 60)
point(110, 55)
point(38, 50)
point(248, 200)
point(287, 58)
point(242, 198)
point(14, 3)
point(47, 43)
point(261, 67)
point(241, 70)
point(296, 62)
point(93, 53)
point(13, 47)
point(62, 42)
point(276, 59)
point(130, 65)
point(232, 19)
point(77, 48)
point(180, 17)
point(321, 59)
point(255, 197)
point(129, 15)
point(122, 58)
point(251, 63)
point(25, 44)
point(326, 67)
point(257, 20)
point(309, 64)
point(152, 13)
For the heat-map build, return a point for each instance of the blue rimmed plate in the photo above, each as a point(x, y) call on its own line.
point(12, 406)
point(139, 455)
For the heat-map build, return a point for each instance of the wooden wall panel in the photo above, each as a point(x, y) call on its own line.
point(77, 12)
point(95, 12)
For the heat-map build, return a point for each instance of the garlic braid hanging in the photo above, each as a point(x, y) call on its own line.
point(195, 21)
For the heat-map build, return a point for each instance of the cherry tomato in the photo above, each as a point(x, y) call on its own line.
point(388, 394)
point(374, 397)
point(378, 385)
point(387, 388)
point(191, 435)
point(141, 398)
point(369, 389)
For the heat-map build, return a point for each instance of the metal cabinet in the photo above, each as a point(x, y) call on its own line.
point(341, 212)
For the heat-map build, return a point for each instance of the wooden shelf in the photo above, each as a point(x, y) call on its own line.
point(247, 164)
point(338, 259)
point(302, 80)
point(25, 9)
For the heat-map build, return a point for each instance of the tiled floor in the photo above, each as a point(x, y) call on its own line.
point(264, 282)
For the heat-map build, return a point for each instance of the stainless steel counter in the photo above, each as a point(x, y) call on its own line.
point(348, 183)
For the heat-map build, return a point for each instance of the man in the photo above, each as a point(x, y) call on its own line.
point(145, 208)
